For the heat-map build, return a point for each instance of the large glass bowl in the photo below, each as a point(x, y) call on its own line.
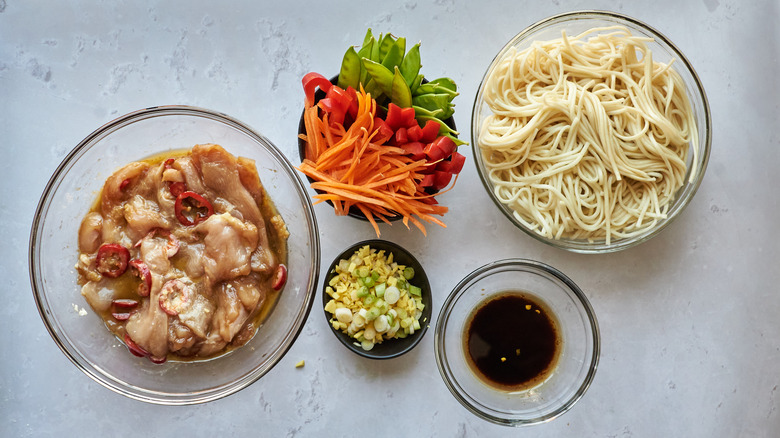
point(663, 50)
point(577, 328)
point(81, 334)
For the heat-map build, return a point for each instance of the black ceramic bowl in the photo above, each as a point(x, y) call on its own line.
point(389, 348)
point(353, 212)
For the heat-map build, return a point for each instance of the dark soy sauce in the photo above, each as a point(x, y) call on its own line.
point(512, 341)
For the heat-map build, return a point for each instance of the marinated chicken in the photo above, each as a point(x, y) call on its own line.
point(183, 255)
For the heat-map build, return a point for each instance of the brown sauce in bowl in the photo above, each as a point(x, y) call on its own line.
point(512, 341)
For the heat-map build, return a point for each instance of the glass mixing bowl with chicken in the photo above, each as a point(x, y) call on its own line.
point(183, 255)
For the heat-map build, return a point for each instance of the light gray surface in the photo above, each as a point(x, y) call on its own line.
point(689, 320)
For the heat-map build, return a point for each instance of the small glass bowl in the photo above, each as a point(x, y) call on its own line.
point(663, 50)
point(578, 331)
point(82, 335)
point(389, 348)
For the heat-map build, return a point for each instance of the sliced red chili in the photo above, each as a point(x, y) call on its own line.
point(175, 187)
point(125, 303)
point(280, 278)
point(142, 271)
point(158, 360)
point(135, 348)
point(121, 316)
point(112, 259)
point(175, 296)
point(192, 208)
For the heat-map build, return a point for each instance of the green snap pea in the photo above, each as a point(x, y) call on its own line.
point(395, 54)
point(410, 66)
point(416, 82)
point(381, 75)
point(369, 36)
point(349, 75)
point(385, 43)
point(400, 93)
point(436, 101)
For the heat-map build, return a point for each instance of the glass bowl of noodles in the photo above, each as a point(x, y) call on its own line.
point(591, 131)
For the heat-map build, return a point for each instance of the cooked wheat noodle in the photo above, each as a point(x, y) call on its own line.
point(588, 137)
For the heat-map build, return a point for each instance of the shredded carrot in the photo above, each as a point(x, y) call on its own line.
point(350, 169)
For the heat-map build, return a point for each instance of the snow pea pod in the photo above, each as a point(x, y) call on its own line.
point(434, 102)
point(381, 75)
point(435, 88)
point(349, 75)
point(401, 95)
point(386, 42)
point(410, 66)
point(395, 54)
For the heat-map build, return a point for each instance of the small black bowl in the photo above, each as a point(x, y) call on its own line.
point(353, 211)
point(389, 348)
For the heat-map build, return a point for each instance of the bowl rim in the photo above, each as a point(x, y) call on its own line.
point(705, 138)
point(484, 271)
point(94, 371)
point(412, 340)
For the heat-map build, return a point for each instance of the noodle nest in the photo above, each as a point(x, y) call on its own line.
point(588, 137)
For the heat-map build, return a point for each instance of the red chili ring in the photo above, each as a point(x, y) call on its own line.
point(142, 271)
point(280, 277)
point(135, 348)
point(112, 259)
point(174, 296)
point(198, 202)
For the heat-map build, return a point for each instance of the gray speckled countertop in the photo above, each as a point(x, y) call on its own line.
point(689, 320)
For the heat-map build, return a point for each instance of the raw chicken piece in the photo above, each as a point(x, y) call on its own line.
point(228, 245)
point(90, 232)
point(143, 216)
point(231, 314)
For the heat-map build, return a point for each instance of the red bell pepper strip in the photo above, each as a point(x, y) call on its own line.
point(440, 148)
point(112, 259)
point(353, 106)
point(310, 83)
point(191, 208)
point(441, 179)
point(401, 136)
point(142, 271)
point(430, 131)
point(398, 117)
point(384, 134)
point(454, 165)
point(427, 180)
point(414, 133)
point(414, 149)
